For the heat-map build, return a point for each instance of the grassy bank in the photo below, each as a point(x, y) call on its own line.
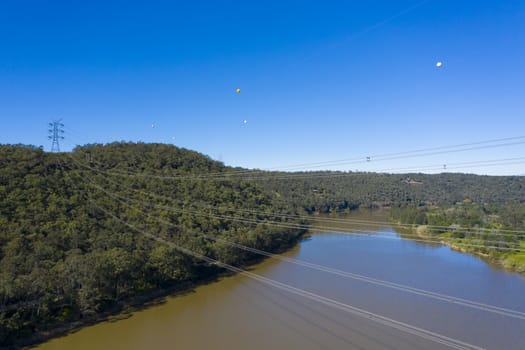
point(512, 261)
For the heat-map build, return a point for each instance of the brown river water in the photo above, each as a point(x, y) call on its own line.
point(239, 312)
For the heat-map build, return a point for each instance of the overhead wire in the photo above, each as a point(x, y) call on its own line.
point(436, 240)
point(421, 292)
point(375, 281)
point(413, 153)
point(318, 266)
point(319, 228)
point(477, 231)
point(401, 326)
point(256, 174)
point(444, 228)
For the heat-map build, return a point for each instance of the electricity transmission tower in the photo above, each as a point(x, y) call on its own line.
point(56, 133)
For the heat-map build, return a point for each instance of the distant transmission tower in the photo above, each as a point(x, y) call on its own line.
point(56, 133)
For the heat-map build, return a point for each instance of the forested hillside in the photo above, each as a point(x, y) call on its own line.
point(63, 257)
point(329, 191)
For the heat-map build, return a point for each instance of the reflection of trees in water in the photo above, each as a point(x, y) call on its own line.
point(411, 233)
point(359, 220)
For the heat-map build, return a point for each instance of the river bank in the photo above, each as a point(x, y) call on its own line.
point(156, 297)
point(509, 261)
point(380, 219)
point(238, 312)
point(120, 311)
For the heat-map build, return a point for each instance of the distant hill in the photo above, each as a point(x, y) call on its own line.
point(328, 191)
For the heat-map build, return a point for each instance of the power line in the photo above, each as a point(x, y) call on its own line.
point(258, 174)
point(433, 295)
point(324, 229)
point(401, 326)
point(328, 228)
point(438, 296)
point(389, 156)
point(479, 231)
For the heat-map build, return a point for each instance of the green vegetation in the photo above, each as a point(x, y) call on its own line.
point(64, 259)
point(515, 261)
point(335, 191)
point(474, 228)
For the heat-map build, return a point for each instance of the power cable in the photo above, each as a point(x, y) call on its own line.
point(331, 229)
point(421, 292)
point(401, 326)
point(417, 291)
point(388, 156)
point(481, 231)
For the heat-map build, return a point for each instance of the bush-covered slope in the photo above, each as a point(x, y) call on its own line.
point(64, 257)
point(327, 191)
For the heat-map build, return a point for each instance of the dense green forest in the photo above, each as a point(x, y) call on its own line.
point(67, 254)
point(63, 259)
point(332, 191)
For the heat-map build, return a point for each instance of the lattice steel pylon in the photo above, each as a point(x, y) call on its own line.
point(56, 133)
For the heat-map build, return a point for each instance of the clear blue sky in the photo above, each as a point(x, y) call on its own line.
point(320, 80)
